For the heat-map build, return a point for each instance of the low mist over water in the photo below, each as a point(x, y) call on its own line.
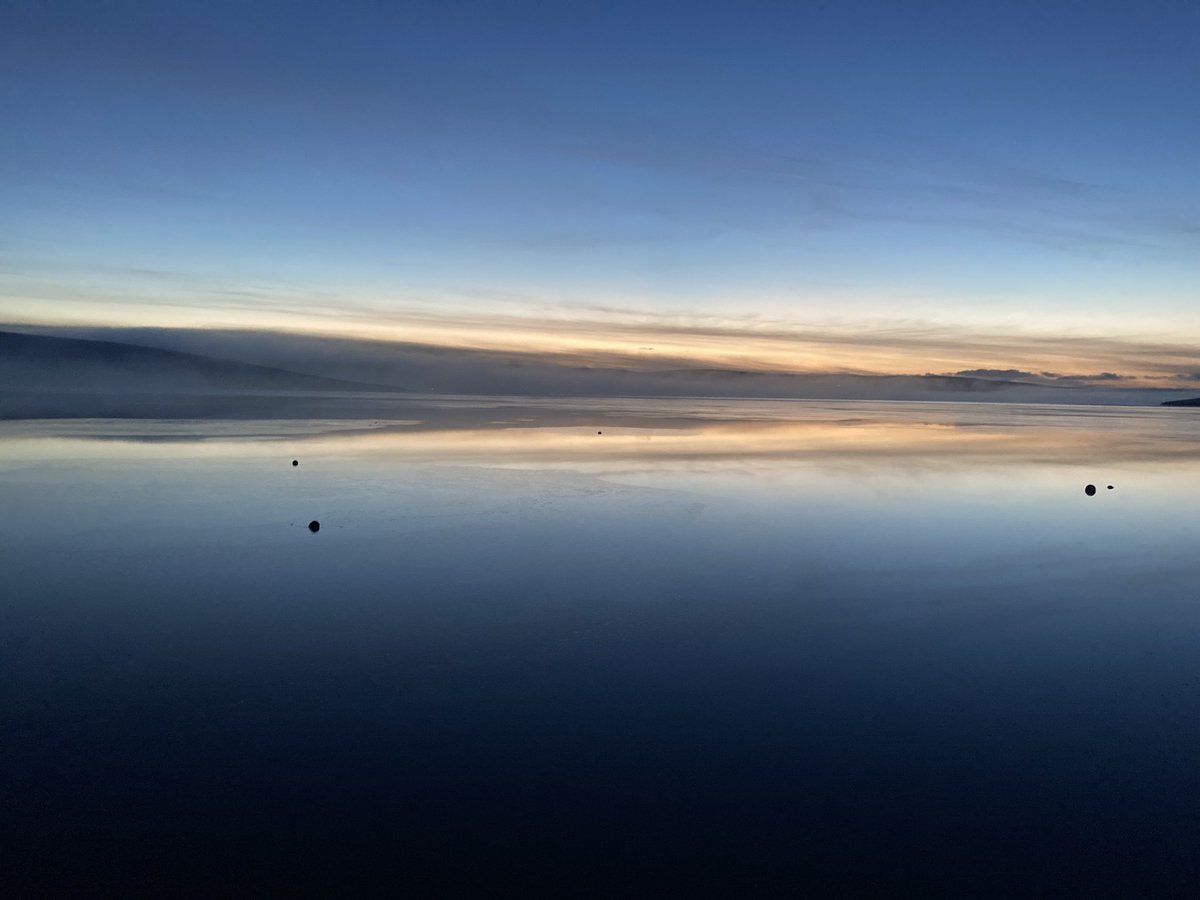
point(700, 646)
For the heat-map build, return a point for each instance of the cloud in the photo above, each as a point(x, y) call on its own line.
point(1044, 377)
point(997, 374)
point(599, 334)
point(1093, 379)
point(913, 182)
point(35, 292)
point(426, 368)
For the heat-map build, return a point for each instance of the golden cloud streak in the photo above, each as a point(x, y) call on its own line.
point(602, 337)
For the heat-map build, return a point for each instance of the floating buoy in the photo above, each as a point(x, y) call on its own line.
point(295, 462)
point(314, 526)
point(1090, 490)
point(1110, 487)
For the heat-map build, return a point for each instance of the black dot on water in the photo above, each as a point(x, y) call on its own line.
point(1110, 487)
point(314, 526)
point(599, 432)
point(295, 462)
point(1090, 490)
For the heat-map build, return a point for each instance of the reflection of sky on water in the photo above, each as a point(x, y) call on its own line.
point(710, 650)
point(507, 431)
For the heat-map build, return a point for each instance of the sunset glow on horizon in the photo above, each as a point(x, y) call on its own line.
point(771, 187)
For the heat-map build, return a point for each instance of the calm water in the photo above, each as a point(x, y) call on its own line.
point(727, 646)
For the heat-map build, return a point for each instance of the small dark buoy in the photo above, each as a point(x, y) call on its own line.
point(1090, 490)
point(599, 432)
point(314, 526)
point(1110, 487)
point(295, 462)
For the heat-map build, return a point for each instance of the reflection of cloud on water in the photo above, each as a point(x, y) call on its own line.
point(639, 432)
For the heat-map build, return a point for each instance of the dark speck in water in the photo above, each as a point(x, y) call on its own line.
point(1090, 490)
point(295, 462)
point(314, 526)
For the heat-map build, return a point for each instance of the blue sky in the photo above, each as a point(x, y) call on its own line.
point(464, 172)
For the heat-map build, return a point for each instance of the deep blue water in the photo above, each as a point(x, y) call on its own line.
point(730, 647)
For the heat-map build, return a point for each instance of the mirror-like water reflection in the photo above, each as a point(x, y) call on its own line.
point(719, 646)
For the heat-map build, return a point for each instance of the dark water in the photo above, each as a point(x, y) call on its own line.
point(760, 648)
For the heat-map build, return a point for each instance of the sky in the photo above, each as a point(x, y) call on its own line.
point(872, 187)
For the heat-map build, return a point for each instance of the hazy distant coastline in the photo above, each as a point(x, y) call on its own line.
point(181, 373)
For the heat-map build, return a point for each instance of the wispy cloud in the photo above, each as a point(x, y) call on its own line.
point(34, 292)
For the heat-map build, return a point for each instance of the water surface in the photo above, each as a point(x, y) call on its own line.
point(603, 646)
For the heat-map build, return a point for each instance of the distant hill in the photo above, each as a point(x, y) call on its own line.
point(1194, 401)
point(34, 362)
